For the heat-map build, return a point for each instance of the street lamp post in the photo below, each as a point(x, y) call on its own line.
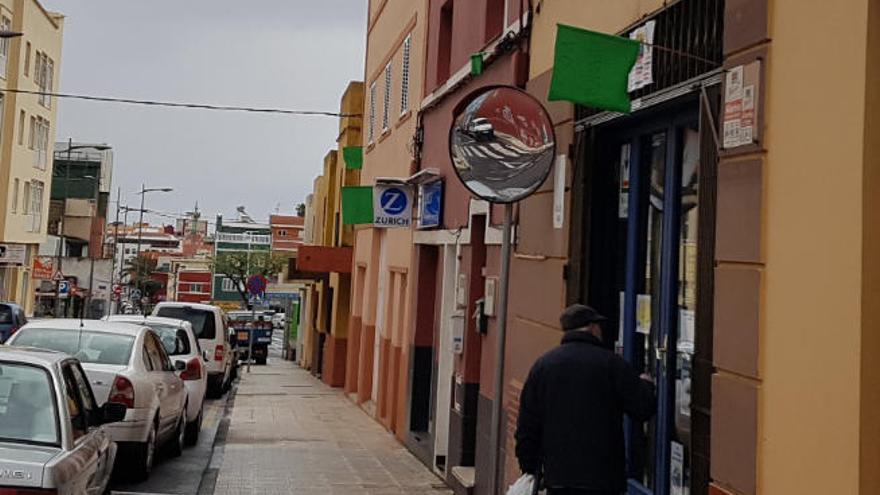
point(61, 237)
point(143, 193)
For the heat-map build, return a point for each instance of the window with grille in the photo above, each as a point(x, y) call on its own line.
point(36, 206)
point(22, 120)
point(387, 99)
point(27, 59)
point(404, 76)
point(371, 131)
point(5, 25)
point(26, 205)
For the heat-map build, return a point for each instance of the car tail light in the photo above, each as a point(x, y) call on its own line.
point(219, 352)
point(122, 392)
point(26, 491)
point(193, 370)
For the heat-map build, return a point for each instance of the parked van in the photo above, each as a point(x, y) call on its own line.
point(211, 326)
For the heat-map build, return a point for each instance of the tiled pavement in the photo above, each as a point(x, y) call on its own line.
point(291, 434)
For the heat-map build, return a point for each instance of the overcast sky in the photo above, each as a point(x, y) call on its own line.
point(293, 54)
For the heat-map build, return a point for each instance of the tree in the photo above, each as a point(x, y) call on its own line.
point(301, 210)
point(238, 266)
point(140, 271)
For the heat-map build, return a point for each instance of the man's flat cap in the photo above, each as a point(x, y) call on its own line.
point(579, 316)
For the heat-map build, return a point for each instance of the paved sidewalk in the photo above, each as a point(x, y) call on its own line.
point(291, 434)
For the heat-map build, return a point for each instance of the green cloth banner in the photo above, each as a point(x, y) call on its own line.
point(592, 69)
point(357, 205)
point(354, 157)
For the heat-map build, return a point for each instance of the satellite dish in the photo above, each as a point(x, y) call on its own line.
point(502, 144)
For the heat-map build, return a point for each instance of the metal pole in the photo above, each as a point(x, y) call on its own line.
point(60, 249)
point(498, 403)
point(251, 335)
point(113, 257)
point(137, 258)
point(91, 254)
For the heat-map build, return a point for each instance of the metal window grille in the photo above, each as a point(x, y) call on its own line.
point(404, 76)
point(371, 131)
point(692, 27)
point(387, 99)
point(5, 25)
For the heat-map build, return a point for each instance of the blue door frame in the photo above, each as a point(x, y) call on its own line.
point(668, 315)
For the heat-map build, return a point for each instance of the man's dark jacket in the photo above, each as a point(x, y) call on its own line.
point(571, 415)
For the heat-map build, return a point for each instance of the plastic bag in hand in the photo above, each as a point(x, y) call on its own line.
point(525, 485)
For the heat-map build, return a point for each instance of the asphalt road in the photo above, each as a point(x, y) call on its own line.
point(500, 165)
point(182, 476)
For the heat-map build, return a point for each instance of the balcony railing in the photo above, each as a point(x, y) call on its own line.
point(244, 238)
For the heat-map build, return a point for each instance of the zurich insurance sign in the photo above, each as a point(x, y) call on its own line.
point(392, 206)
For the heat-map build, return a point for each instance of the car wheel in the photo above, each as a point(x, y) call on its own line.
point(145, 455)
point(215, 386)
point(193, 429)
point(175, 446)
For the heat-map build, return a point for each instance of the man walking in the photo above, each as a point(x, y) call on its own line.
point(570, 423)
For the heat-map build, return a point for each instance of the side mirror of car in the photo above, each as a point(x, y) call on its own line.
point(112, 412)
point(206, 355)
point(179, 365)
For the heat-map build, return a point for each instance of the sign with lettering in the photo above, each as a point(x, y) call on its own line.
point(392, 206)
point(13, 254)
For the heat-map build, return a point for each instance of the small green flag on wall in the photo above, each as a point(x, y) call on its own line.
point(354, 157)
point(357, 205)
point(592, 69)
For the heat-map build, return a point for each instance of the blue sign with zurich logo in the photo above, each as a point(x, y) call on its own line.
point(393, 206)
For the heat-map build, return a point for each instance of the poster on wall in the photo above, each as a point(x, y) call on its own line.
point(623, 183)
point(44, 267)
point(676, 471)
point(739, 124)
point(13, 254)
point(642, 74)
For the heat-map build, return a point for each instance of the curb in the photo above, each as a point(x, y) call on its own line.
point(212, 470)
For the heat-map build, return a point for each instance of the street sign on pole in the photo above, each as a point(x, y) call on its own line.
point(256, 285)
point(58, 277)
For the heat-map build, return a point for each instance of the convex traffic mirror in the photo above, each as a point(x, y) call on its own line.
point(502, 144)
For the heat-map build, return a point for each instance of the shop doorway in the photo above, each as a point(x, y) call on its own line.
point(643, 269)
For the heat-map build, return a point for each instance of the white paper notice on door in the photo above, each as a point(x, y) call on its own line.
point(643, 314)
point(676, 470)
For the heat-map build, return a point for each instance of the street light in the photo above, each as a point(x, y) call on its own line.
point(61, 239)
point(143, 193)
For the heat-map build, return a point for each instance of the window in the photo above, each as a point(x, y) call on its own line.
point(444, 46)
point(44, 76)
point(26, 205)
point(41, 142)
point(22, 119)
point(79, 398)
point(28, 412)
point(32, 133)
point(371, 129)
point(173, 339)
point(14, 196)
point(148, 364)
point(89, 347)
point(387, 99)
point(202, 321)
point(282, 233)
point(34, 193)
point(404, 75)
point(5, 25)
point(229, 285)
point(27, 59)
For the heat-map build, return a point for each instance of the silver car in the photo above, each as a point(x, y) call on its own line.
point(125, 364)
point(52, 436)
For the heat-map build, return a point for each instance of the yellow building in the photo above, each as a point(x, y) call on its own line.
point(326, 254)
point(32, 63)
point(761, 130)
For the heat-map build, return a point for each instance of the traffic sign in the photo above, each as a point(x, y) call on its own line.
point(256, 284)
point(58, 277)
point(63, 288)
point(135, 294)
point(117, 289)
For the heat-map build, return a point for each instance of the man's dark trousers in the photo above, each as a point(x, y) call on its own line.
point(575, 491)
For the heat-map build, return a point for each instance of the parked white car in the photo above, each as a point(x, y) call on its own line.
point(180, 344)
point(125, 364)
point(212, 329)
point(52, 433)
point(278, 320)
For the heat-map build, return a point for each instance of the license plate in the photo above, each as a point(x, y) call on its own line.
point(242, 335)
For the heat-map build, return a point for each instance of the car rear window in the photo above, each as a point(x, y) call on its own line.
point(27, 409)
point(5, 315)
point(202, 321)
point(88, 347)
point(173, 338)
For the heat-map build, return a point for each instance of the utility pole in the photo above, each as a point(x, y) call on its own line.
point(113, 257)
point(87, 309)
point(60, 250)
point(137, 258)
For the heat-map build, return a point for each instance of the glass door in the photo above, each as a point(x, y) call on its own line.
point(659, 300)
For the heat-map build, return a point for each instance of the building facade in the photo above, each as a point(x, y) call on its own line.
point(326, 255)
point(30, 62)
point(379, 339)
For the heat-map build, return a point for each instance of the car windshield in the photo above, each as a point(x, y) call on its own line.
point(27, 409)
point(87, 346)
point(173, 338)
point(202, 321)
